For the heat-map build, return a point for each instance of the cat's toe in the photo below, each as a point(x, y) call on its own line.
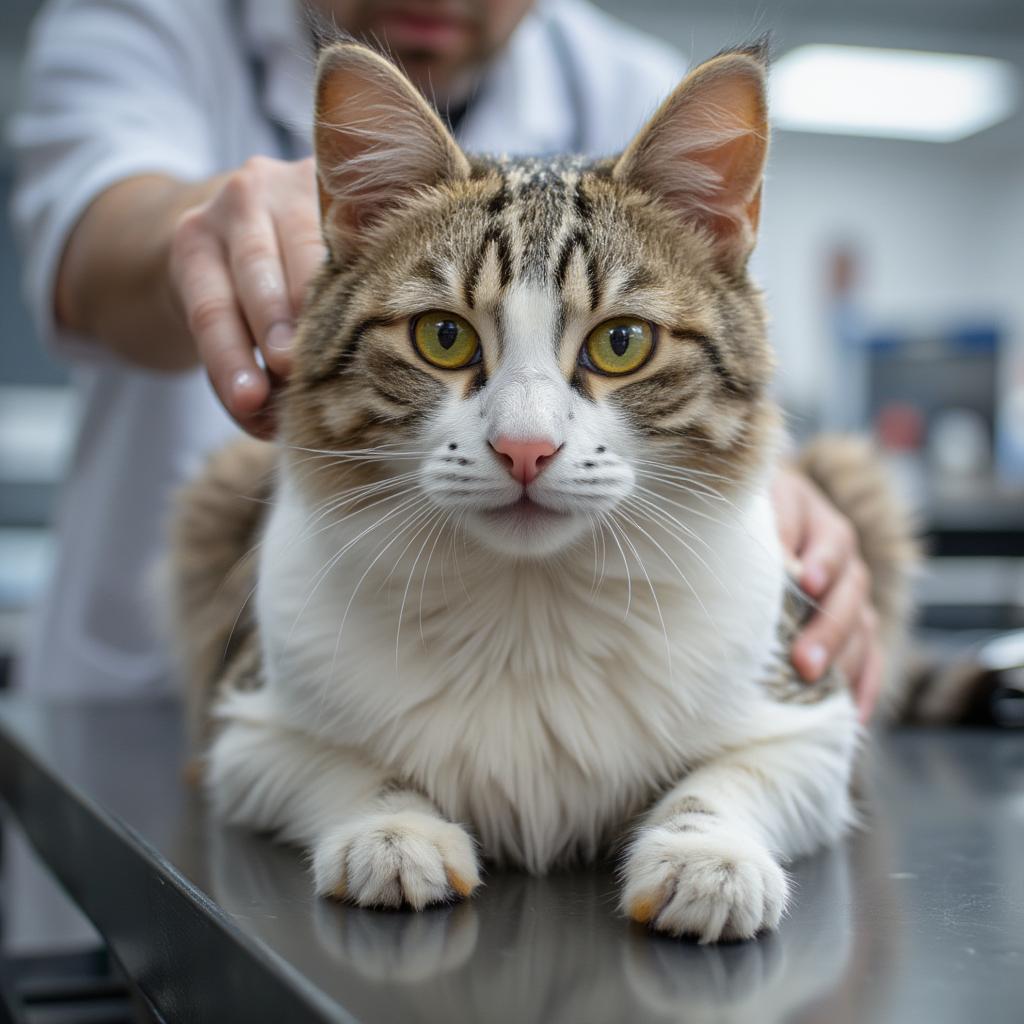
point(396, 859)
point(714, 885)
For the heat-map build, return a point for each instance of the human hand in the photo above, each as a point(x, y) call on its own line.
point(240, 262)
point(844, 630)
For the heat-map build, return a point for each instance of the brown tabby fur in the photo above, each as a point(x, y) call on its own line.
point(604, 240)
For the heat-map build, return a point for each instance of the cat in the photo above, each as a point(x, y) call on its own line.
point(518, 593)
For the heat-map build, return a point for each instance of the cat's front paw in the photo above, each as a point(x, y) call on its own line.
point(396, 859)
point(713, 884)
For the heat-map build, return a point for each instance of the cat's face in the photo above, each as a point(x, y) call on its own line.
point(527, 348)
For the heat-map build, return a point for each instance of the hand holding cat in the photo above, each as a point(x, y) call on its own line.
point(844, 631)
point(240, 263)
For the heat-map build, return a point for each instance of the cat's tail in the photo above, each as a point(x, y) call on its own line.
point(211, 572)
point(851, 474)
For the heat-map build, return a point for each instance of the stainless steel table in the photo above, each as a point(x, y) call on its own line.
point(919, 917)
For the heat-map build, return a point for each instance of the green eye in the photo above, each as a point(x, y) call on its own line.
point(618, 346)
point(445, 340)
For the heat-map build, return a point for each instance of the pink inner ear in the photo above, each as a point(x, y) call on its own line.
point(739, 162)
point(377, 141)
point(704, 151)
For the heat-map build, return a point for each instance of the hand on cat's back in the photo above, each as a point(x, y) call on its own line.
point(844, 631)
point(240, 263)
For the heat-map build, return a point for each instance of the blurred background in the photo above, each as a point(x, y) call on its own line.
point(893, 266)
point(892, 255)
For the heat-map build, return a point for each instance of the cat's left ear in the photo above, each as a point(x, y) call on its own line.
point(377, 142)
point(704, 150)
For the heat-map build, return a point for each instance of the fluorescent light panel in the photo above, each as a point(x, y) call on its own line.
point(900, 94)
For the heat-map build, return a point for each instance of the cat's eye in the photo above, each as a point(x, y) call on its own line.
point(445, 340)
point(618, 346)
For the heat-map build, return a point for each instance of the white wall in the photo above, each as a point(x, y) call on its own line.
point(940, 230)
point(940, 227)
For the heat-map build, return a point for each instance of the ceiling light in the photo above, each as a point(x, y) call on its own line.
point(900, 94)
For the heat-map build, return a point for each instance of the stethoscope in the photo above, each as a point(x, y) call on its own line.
point(288, 145)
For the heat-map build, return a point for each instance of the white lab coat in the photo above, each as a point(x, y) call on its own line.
point(115, 88)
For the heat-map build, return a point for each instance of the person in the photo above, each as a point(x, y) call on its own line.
point(166, 206)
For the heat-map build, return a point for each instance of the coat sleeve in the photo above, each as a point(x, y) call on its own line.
point(110, 90)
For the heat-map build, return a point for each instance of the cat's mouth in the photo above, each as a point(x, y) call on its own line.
point(525, 528)
point(525, 510)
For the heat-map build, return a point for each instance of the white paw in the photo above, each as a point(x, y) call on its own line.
point(397, 858)
point(713, 883)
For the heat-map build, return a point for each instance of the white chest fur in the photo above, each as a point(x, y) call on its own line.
point(521, 698)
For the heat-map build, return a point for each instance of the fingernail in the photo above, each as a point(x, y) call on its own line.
point(243, 380)
point(279, 337)
point(814, 659)
point(814, 579)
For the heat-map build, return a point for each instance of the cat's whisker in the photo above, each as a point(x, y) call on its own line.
point(737, 524)
point(413, 518)
point(379, 498)
point(408, 493)
point(708, 495)
point(674, 534)
point(593, 539)
point(326, 464)
point(695, 487)
point(236, 567)
point(457, 535)
point(428, 526)
point(682, 575)
point(313, 465)
point(688, 509)
point(374, 452)
point(605, 518)
point(426, 570)
point(688, 530)
point(672, 526)
point(396, 534)
point(685, 472)
point(604, 557)
point(650, 584)
point(426, 513)
point(420, 520)
point(688, 470)
point(449, 551)
point(339, 501)
point(410, 517)
point(597, 533)
point(458, 566)
point(334, 504)
point(710, 499)
point(333, 561)
point(408, 489)
point(346, 493)
point(236, 620)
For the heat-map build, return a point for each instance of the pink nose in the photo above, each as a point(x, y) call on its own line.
point(524, 459)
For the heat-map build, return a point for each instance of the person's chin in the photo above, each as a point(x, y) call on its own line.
point(526, 529)
point(418, 38)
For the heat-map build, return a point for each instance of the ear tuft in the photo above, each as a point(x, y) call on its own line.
point(377, 142)
point(703, 152)
point(759, 50)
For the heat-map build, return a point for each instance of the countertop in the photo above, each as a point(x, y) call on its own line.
point(918, 916)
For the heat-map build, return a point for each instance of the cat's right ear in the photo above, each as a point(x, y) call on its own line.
point(703, 152)
point(377, 142)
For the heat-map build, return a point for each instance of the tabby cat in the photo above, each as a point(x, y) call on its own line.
point(518, 589)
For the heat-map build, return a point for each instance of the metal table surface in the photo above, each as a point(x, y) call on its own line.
point(918, 917)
